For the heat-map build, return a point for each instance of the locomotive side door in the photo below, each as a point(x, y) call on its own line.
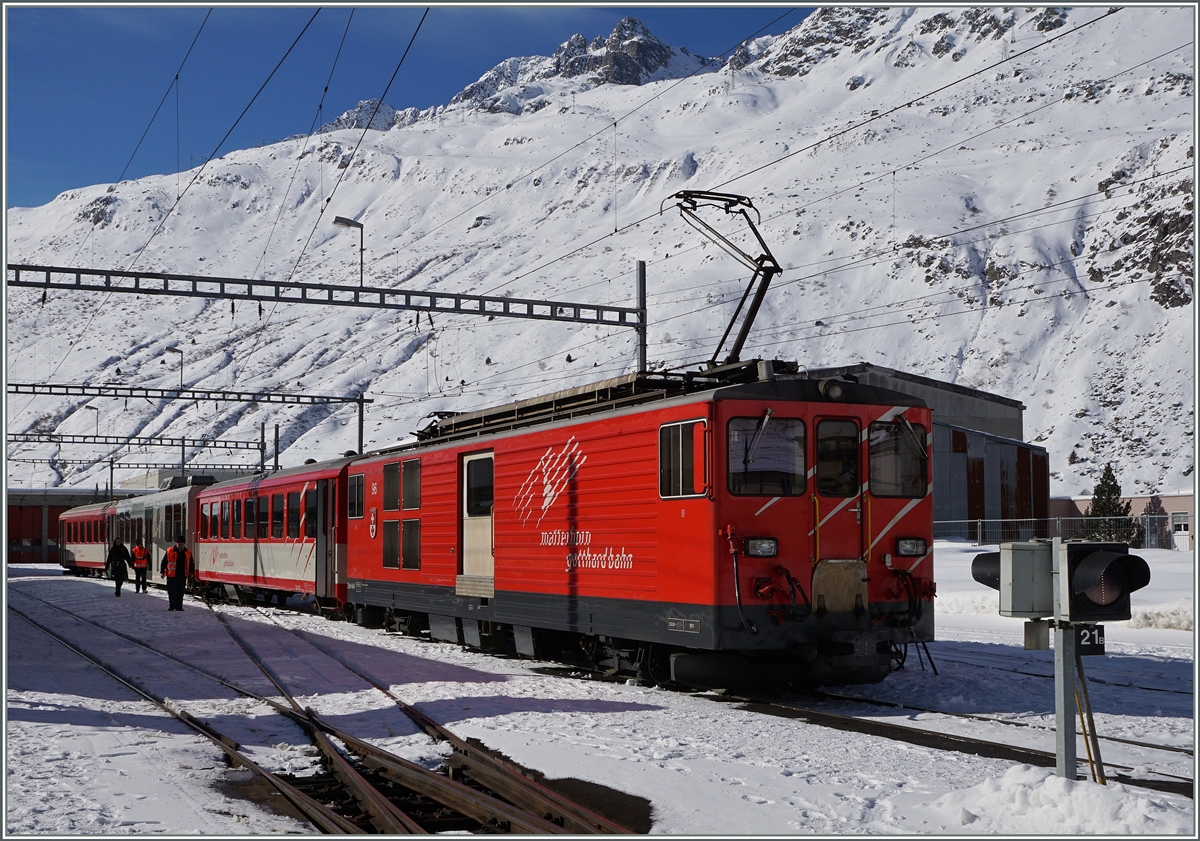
point(477, 576)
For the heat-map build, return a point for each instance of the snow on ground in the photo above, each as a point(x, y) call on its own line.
point(85, 756)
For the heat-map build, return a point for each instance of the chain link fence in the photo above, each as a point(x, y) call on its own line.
point(1145, 532)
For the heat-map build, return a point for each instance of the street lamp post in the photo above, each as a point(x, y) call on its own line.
point(182, 474)
point(343, 222)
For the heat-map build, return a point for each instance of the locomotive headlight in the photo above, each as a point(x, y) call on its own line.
point(762, 547)
point(911, 546)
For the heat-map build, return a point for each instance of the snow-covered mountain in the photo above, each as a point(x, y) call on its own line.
point(1022, 224)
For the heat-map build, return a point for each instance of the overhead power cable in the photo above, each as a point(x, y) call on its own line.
point(817, 143)
point(141, 251)
point(361, 137)
point(598, 132)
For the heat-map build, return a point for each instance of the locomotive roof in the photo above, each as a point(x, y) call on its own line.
point(756, 379)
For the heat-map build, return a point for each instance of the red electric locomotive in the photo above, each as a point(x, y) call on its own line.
point(693, 528)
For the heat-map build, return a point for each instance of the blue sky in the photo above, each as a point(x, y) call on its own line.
point(83, 82)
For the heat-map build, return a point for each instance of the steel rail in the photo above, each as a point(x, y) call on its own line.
point(196, 286)
point(949, 741)
point(321, 816)
point(993, 720)
point(385, 815)
point(462, 798)
point(496, 774)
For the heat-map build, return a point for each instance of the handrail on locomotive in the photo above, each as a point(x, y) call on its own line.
point(765, 265)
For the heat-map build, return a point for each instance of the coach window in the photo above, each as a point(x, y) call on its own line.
point(766, 456)
point(354, 497)
point(391, 487)
point(412, 485)
point(837, 458)
point(225, 519)
point(264, 516)
point(293, 514)
point(310, 512)
point(214, 521)
point(391, 544)
point(411, 544)
point(681, 459)
point(896, 459)
point(249, 507)
point(204, 521)
point(235, 523)
point(277, 515)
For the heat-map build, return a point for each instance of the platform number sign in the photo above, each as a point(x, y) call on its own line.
point(1089, 639)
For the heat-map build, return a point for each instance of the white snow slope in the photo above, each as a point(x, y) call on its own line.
point(1027, 230)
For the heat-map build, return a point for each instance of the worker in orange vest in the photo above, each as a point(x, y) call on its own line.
point(176, 568)
point(141, 565)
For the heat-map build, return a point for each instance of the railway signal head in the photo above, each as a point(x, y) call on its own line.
point(1096, 580)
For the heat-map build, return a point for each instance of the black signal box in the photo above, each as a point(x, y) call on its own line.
point(1096, 580)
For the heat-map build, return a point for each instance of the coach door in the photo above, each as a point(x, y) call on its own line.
point(326, 583)
point(477, 576)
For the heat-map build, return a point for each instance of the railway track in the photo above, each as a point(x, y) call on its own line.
point(1167, 782)
point(972, 660)
point(911, 734)
point(381, 792)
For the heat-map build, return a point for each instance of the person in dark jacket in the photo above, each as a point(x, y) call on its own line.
point(141, 565)
point(176, 568)
point(118, 563)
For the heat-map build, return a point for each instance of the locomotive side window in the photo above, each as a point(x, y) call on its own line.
point(391, 544)
point(412, 485)
point(354, 497)
point(896, 459)
point(680, 453)
point(411, 544)
point(264, 515)
point(480, 488)
point(276, 515)
point(293, 514)
point(766, 456)
point(837, 458)
point(391, 487)
point(310, 512)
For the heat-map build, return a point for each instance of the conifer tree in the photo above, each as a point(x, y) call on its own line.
point(1108, 516)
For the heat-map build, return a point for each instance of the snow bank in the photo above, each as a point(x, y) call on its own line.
point(1028, 800)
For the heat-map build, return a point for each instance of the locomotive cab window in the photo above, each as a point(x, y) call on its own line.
point(354, 497)
point(766, 456)
point(682, 465)
point(837, 458)
point(896, 459)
